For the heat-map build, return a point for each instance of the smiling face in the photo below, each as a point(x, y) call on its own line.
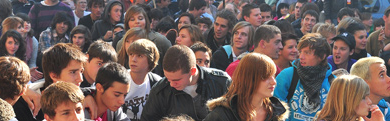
point(184, 38)
point(240, 38)
point(289, 50)
point(114, 96)
point(379, 82)
point(273, 47)
point(61, 28)
point(341, 52)
point(307, 57)
point(11, 45)
point(361, 39)
point(364, 107)
point(71, 73)
point(116, 13)
point(308, 22)
point(137, 20)
point(68, 111)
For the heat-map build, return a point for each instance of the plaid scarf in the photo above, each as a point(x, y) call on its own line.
point(311, 79)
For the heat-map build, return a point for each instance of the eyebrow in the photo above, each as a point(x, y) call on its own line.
point(118, 92)
point(66, 110)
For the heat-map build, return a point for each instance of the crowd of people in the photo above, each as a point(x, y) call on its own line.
point(230, 60)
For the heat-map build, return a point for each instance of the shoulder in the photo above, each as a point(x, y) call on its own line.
point(160, 86)
point(215, 72)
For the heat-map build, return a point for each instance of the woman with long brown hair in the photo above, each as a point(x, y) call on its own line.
point(250, 94)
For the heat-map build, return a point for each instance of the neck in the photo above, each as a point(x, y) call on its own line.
point(100, 105)
point(357, 50)
point(343, 65)
point(192, 12)
point(10, 101)
point(282, 63)
point(258, 50)
point(220, 41)
point(79, 13)
point(94, 17)
point(303, 31)
point(257, 102)
point(88, 78)
point(374, 98)
point(60, 35)
point(238, 51)
point(195, 77)
point(50, 3)
point(138, 78)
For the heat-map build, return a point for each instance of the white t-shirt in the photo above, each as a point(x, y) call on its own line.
point(136, 98)
point(76, 19)
point(191, 90)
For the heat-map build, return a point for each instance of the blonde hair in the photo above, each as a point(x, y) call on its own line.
point(11, 23)
point(326, 29)
point(343, 98)
point(251, 32)
point(362, 67)
point(251, 71)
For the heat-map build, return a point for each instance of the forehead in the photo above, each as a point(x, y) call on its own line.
point(174, 75)
point(220, 20)
point(11, 39)
point(276, 37)
point(375, 68)
point(184, 18)
point(67, 105)
point(309, 16)
point(268, 13)
point(243, 29)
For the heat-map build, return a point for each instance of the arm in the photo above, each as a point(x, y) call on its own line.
point(283, 82)
point(33, 100)
point(44, 40)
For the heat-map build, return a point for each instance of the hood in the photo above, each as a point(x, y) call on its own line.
point(281, 109)
point(107, 9)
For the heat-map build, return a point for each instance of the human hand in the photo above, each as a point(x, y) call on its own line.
point(108, 35)
point(90, 103)
point(376, 114)
point(33, 100)
point(35, 74)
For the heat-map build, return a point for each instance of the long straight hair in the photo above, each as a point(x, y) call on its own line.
point(251, 71)
point(343, 98)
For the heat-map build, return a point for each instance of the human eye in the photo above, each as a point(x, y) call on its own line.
point(139, 55)
point(141, 18)
point(198, 61)
point(235, 33)
point(65, 113)
point(207, 62)
point(132, 19)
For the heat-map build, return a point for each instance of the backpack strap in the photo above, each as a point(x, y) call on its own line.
point(228, 50)
point(293, 85)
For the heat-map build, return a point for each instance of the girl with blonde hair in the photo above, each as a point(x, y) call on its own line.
point(348, 100)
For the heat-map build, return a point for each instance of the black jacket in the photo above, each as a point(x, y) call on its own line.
point(221, 60)
point(210, 41)
point(223, 110)
point(165, 100)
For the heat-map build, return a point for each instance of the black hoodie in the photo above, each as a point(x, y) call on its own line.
point(100, 27)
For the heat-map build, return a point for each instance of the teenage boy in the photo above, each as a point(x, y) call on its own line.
point(63, 101)
point(374, 72)
point(15, 75)
point(98, 54)
point(252, 14)
point(309, 19)
point(112, 85)
point(143, 58)
point(185, 88)
point(96, 7)
point(61, 62)
point(219, 35)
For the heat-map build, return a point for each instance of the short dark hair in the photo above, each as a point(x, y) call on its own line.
point(309, 6)
point(21, 52)
point(112, 72)
point(365, 16)
point(345, 11)
point(312, 13)
point(284, 26)
point(179, 57)
point(266, 33)
point(102, 50)
point(204, 20)
point(264, 7)
point(288, 36)
point(379, 22)
point(59, 93)
point(156, 14)
point(246, 10)
point(62, 17)
point(57, 57)
point(353, 27)
point(229, 16)
point(196, 4)
point(15, 75)
point(199, 46)
point(192, 18)
point(301, 1)
point(95, 2)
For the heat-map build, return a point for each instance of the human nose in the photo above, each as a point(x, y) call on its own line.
point(121, 100)
point(273, 81)
point(369, 102)
point(79, 77)
point(280, 46)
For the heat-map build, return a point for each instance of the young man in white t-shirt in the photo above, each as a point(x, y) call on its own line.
point(143, 57)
